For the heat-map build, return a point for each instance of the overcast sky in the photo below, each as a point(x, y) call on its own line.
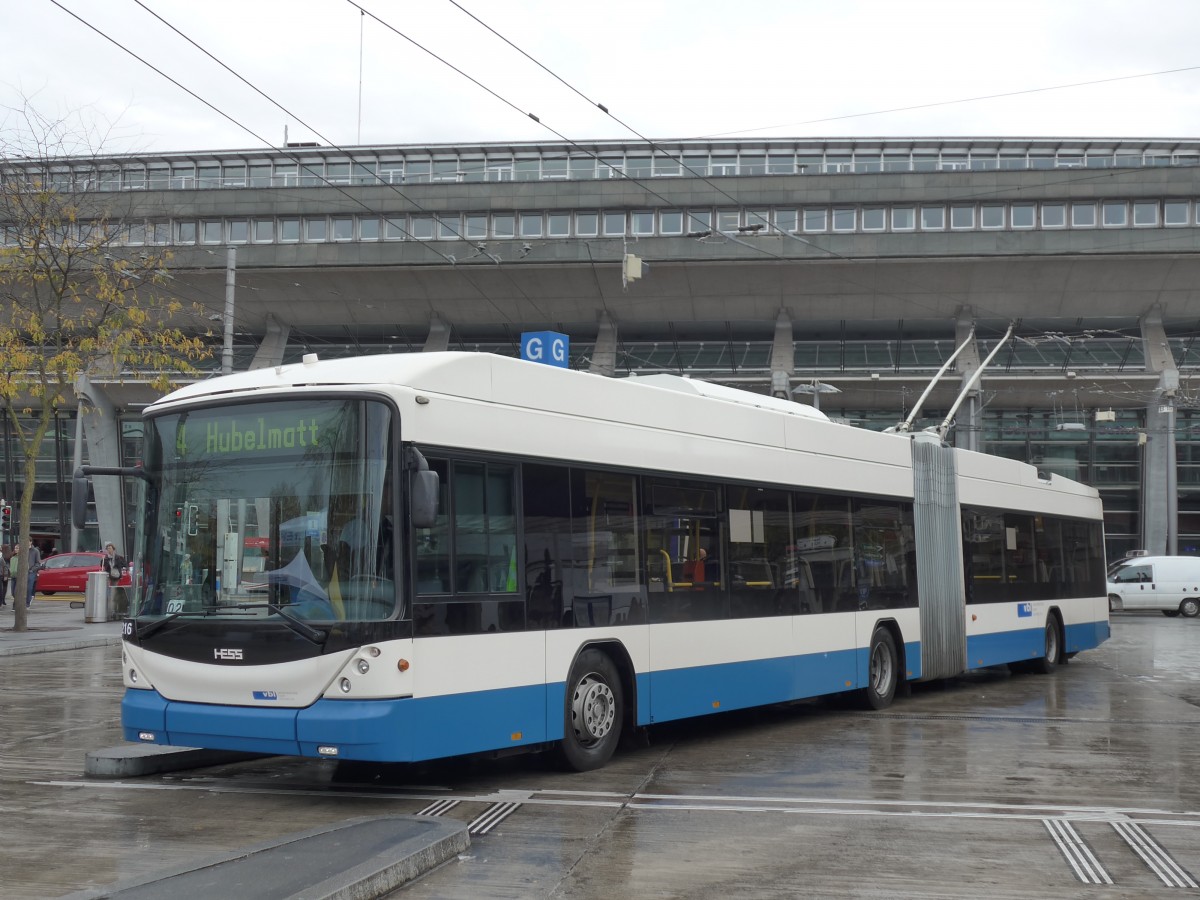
point(666, 68)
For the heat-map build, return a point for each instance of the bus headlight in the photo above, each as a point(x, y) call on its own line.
point(344, 684)
point(363, 667)
point(133, 676)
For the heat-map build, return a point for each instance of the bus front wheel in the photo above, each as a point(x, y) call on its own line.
point(1190, 608)
point(594, 710)
point(883, 671)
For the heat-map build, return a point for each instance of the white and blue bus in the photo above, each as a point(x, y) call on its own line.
point(402, 558)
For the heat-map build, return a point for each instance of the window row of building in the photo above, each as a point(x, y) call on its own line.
point(1017, 216)
point(559, 164)
point(739, 359)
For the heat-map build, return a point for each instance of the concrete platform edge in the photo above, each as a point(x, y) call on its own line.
point(133, 760)
point(375, 877)
point(57, 644)
point(378, 876)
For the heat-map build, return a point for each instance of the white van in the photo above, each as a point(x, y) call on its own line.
point(1169, 583)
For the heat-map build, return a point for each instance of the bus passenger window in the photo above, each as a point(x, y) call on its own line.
point(485, 539)
point(884, 555)
point(759, 535)
point(822, 545)
point(605, 586)
point(682, 529)
point(547, 555)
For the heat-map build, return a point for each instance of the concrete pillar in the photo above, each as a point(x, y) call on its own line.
point(274, 342)
point(969, 427)
point(102, 432)
point(783, 357)
point(1160, 501)
point(604, 355)
point(438, 338)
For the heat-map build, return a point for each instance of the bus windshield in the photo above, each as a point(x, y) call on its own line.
point(280, 507)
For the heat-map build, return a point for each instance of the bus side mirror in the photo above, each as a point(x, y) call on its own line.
point(79, 499)
point(425, 490)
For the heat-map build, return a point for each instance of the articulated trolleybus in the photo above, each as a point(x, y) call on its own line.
point(401, 558)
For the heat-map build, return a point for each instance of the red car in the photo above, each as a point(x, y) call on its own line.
point(68, 572)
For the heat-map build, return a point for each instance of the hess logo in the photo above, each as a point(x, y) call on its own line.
point(224, 653)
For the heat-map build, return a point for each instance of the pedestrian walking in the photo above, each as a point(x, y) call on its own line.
point(35, 562)
point(5, 556)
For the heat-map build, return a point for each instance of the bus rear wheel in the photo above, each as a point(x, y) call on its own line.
point(594, 711)
point(1053, 650)
point(883, 671)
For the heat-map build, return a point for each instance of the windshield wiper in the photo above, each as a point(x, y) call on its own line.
point(144, 631)
point(303, 629)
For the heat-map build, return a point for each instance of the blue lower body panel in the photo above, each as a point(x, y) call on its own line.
point(1000, 647)
point(701, 690)
point(375, 730)
point(1030, 643)
point(912, 661)
point(1086, 635)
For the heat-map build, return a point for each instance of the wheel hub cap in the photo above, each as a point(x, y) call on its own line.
point(881, 669)
point(593, 709)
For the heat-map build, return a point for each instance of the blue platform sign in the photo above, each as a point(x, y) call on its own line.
point(547, 347)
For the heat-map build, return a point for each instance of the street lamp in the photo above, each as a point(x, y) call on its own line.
point(816, 388)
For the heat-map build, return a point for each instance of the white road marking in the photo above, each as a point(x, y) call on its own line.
point(1154, 855)
point(439, 808)
point(491, 817)
point(1076, 852)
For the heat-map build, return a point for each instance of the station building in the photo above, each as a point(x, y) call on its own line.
point(839, 272)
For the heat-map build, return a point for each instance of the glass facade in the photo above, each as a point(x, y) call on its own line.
point(50, 517)
point(551, 224)
point(423, 165)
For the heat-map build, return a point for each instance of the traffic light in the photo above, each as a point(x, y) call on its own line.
point(6, 517)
